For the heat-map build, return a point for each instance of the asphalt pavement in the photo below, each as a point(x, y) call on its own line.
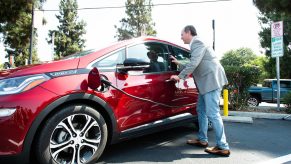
point(264, 141)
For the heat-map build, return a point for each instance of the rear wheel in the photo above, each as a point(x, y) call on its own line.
point(75, 134)
point(253, 101)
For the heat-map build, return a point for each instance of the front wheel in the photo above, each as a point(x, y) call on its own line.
point(76, 134)
point(253, 101)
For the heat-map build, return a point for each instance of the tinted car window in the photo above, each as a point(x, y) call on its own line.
point(285, 84)
point(111, 60)
point(267, 84)
point(154, 53)
point(181, 55)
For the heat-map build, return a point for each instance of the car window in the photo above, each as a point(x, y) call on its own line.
point(111, 60)
point(156, 54)
point(285, 84)
point(267, 84)
point(181, 55)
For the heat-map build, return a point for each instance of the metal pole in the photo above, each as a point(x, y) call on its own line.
point(31, 35)
point(278, 82)
point(53, 46)
point(213, 27)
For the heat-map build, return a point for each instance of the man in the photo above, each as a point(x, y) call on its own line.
point(210, 77)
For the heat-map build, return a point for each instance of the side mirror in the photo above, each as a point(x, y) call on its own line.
point(94, 80)
point(132, 64)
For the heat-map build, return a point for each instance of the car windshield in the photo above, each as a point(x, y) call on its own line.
point(78, 54)
point(267, 84)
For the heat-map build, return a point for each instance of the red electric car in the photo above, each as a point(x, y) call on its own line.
point(67, 111)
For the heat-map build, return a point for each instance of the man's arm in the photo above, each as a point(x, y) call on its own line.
point(197, 54)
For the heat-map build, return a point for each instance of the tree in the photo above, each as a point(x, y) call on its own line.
point(272, 11)
point(269, 6)
point(15, 27)
point(238, 57)
point(68, 38)
point(138, 21)
point(241, 73)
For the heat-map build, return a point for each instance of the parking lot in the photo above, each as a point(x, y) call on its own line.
point(264, 141)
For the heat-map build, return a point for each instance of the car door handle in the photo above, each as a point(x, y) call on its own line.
point(169, 80)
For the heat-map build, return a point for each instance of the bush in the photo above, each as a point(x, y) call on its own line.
point(240, 79)
point(242, 69)
point(287, 102)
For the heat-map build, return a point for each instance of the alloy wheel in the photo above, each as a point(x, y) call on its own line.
point(75, 139)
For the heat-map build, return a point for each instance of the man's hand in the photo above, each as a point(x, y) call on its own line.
point(174, 60)
point(175, 78)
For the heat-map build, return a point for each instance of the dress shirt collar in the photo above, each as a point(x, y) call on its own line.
point(193, 38)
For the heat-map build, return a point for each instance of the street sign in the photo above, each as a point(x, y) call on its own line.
point(277, 51)
point(277, 39)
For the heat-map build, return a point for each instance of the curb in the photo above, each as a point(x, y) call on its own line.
point(247, 117)
point(237, 119)
point(274, 116)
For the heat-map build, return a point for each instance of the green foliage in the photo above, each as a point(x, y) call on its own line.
point(17, 37)
point(279, 6)
point(259, 62)
point(68, 38)
point(273, 11)
point(241, 73)
point(15, 26)
point(1, 66)
point(138, 21)
point(238, 57)
point(287, 102)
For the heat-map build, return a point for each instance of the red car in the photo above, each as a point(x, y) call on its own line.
point(67, 111)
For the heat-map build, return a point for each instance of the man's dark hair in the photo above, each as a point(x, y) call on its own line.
point(190, 29)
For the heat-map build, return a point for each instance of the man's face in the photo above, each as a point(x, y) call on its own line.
point(186, 37)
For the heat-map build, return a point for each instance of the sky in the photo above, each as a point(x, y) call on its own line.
point(236, 23)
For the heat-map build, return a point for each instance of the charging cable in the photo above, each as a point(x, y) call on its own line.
point(106, 82)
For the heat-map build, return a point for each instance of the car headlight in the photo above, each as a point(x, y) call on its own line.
point(21, 84)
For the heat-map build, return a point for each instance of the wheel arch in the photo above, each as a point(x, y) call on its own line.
point(77, 99)
point(257, 95)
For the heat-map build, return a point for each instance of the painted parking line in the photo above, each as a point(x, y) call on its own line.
point(279, 160)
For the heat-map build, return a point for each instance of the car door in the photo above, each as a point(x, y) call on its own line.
point(285, 87)
point(268, 91)
point(146, 84)
point(185, 91)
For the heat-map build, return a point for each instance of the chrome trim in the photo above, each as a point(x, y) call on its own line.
point(5, 112)
point(158, 122)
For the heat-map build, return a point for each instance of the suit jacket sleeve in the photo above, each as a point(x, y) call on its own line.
point(197, 53)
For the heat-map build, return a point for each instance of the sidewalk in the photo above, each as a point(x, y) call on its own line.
point(247, 117)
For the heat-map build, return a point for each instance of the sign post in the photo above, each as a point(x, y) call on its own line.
point(277, 51)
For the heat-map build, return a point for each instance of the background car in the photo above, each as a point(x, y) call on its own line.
point(67, 111)
point(268, 91)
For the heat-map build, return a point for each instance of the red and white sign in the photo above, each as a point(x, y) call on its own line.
point(277, 29)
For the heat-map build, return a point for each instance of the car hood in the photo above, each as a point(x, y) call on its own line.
point(40, 68)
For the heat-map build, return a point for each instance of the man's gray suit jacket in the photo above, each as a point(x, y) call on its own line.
point(206, 69)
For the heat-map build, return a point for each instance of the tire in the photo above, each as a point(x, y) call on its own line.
point(253, 101)
point(75, 134)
